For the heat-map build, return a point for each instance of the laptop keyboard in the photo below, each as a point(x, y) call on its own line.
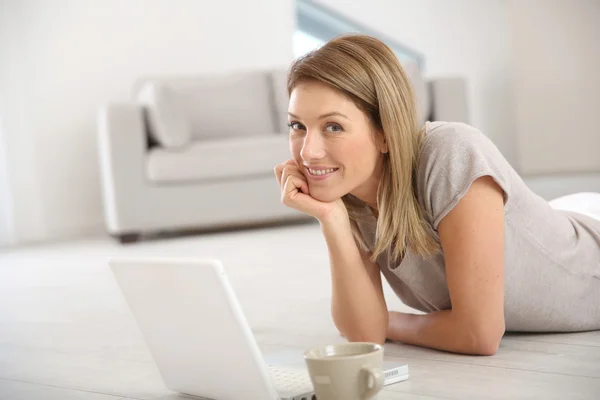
point(290, 379)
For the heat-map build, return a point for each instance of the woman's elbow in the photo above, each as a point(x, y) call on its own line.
point(378, 338)
point(487, 341)
point(372, 335)
point(371, 332)
point(485, 348)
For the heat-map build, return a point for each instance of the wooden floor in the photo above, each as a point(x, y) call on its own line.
point(66, 333)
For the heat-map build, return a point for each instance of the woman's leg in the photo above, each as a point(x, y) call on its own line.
point(586, 203)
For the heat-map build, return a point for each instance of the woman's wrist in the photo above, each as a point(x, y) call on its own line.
point(337, 217)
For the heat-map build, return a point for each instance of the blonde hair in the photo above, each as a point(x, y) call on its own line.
point(367, 71)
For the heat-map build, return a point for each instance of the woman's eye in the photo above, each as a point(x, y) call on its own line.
point(333, 128)
point(295, 125)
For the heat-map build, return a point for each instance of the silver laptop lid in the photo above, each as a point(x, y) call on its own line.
point(194, 327)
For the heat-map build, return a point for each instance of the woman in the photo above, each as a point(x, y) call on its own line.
point(436, 209)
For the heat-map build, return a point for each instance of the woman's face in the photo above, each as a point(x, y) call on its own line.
point(333, 143)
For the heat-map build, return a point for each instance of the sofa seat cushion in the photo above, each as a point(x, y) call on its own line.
point(231, 158)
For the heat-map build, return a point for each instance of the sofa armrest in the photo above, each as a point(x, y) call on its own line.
point(449, 100)
point(122, 144)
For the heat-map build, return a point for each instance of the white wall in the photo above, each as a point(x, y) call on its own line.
point(6, 224)
point(469, 38)
point(557, 84)
point(21, 189)
point(62, 59)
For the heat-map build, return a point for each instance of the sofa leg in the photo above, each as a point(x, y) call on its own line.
point(126, 238)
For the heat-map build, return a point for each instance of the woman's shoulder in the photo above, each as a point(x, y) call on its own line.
point(441, 134)
point(447, 143)
point(452, 156)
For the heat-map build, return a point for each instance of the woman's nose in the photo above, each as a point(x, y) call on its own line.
point(312, 149)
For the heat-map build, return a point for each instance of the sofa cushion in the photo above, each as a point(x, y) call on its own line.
point(420, 89)
point(280, 98)
point(167, 124)
point(230, 158)
point(234, 104)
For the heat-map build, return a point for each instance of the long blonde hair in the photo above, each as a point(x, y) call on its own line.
point(368, 72)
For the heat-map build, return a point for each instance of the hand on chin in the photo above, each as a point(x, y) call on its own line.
point(322, 194)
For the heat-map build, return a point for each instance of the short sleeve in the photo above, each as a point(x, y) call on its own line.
point(452, 157)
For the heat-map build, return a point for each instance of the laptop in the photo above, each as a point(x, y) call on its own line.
point(199, 337)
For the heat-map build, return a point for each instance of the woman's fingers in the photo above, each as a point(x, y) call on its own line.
point(295, 192)
point(289, 168)
point(291, 188)
point(278, 172)
point(292, 197)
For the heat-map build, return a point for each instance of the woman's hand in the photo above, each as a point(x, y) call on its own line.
point(295, 194)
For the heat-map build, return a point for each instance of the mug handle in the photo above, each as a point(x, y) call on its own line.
point(378, 378)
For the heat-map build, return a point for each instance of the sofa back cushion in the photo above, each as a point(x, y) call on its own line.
point(278, 79)
point(420, 89)
point(237, 104)
point(164, 115)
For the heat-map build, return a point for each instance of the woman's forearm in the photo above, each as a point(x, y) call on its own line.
point(358, 306)
point(441, 330)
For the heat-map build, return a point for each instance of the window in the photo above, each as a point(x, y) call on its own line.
point(317, 24)
point(305, 42)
